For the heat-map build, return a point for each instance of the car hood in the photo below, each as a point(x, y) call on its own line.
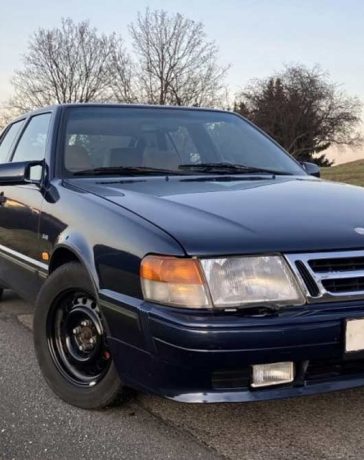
point(248, 215)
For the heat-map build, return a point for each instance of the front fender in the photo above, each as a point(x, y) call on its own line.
point(77, 244)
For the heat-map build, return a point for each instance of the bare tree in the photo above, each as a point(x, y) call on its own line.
point(176, 64)
point(3, 120)
point(66, 64)
point(121, 72)
point(303, 110)
point(7, 114)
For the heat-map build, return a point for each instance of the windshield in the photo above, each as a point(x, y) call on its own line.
point(103, 139)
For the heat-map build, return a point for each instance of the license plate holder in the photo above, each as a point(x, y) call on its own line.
point(354, 336)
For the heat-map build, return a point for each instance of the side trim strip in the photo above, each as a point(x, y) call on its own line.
point(25, 261)
point(119, 309)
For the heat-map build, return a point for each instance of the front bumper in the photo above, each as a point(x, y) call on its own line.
point(192, 356)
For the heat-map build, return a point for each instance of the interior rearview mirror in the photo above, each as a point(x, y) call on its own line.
point(311, 168)
point(22, 172)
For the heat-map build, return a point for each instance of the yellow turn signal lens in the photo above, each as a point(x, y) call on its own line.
point(171, 270)
point(173, 281)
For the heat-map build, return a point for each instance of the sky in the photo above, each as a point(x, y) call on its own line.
point(255, 37)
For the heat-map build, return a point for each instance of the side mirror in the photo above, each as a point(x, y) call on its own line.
point(22, 172)
point(312, 169)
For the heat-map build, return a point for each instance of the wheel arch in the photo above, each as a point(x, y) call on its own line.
point(61, 256)
point(74, 249)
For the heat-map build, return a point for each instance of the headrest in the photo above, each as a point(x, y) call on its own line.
point(77, 158)
point(126, 156)
point(165, 159)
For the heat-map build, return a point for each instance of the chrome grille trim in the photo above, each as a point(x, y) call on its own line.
point(319, 276)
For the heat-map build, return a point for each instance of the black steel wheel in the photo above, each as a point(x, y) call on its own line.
point(70, 341)
point(76, 339)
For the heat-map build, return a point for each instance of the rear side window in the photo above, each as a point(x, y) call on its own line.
point(32, 144)
point(8, 139)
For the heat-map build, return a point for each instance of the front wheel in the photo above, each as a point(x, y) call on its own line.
point(70, 341)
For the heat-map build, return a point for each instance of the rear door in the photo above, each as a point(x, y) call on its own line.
point(7, 141)
point(20, 212)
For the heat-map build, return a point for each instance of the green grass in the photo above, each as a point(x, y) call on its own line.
point(351, 173)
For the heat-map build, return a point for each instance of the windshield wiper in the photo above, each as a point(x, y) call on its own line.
point(125, 170)
point(215, 168)
point(225, 167)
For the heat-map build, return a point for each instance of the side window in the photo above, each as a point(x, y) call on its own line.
point(32, 144)
point(8, 140)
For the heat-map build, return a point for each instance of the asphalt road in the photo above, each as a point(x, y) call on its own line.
point(34, 424)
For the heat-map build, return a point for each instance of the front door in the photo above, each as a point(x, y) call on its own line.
point(20, 205)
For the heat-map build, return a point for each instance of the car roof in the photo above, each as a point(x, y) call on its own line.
point(52, 108)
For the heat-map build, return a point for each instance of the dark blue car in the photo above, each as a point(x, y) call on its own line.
point(179, 252)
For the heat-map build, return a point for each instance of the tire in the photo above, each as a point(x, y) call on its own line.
point(70, 342)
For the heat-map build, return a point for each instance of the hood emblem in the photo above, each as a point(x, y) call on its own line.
point(359, 230)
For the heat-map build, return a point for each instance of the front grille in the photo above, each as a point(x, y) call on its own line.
point(231, 379)
point(323, 370)
point(307, 278)
point(330, 276)
point(337, 265)
point(344, 285)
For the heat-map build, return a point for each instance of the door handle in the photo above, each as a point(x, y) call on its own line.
point(2, 199)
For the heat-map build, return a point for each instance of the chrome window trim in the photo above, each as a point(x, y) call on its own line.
point(319, 277)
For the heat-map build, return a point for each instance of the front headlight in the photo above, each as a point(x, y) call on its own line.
point(241, 281)
point(221, 283)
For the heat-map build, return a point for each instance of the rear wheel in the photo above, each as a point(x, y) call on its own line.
point(70, 341)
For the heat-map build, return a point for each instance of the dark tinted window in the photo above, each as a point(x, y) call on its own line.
point(33, 141)
point(8, 139)
point(166, 138)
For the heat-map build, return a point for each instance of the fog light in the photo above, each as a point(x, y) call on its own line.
point(265, 375)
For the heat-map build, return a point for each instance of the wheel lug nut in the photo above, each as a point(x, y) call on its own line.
point(81, 348)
